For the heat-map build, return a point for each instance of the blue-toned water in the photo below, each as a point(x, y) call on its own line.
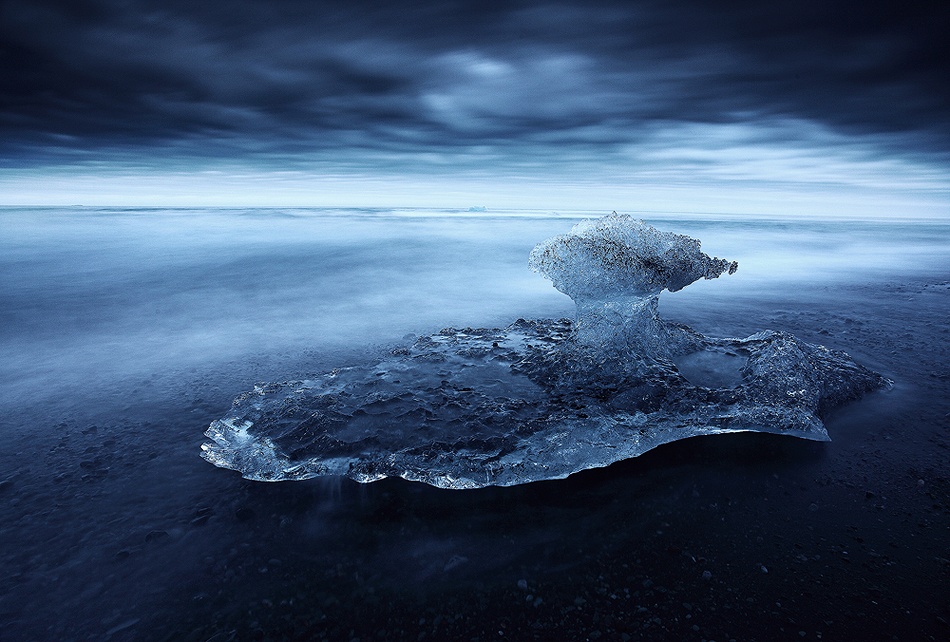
point(124, 332)
point(92, 295)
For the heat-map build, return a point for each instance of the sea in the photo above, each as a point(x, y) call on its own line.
point(125, 331)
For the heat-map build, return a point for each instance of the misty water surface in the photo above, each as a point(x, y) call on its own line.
point(90, 296)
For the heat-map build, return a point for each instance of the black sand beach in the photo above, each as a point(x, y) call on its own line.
point(113, 528)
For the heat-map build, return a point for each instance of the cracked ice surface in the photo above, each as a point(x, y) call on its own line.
point(467, 408)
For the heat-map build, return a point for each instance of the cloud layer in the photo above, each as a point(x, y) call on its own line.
point(523, 86)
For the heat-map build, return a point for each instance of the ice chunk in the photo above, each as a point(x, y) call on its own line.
point(615, 268)
point(467, 408)
point(618, 256)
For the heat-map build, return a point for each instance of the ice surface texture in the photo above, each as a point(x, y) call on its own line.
point(615, 268)
point(467, 408)
point(619, 256)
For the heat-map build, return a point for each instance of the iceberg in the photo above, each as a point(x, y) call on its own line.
point(543, 399)
point(614, 269)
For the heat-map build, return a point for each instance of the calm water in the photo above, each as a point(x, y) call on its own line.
point(89, 296)
point(124, 332)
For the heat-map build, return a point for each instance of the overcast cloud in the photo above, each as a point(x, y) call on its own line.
point(748, 90)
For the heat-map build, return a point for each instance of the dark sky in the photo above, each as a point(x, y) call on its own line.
point(645, 92)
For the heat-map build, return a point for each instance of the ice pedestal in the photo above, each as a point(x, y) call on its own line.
point(626, 323)
point(614, 269)
point(466, 408)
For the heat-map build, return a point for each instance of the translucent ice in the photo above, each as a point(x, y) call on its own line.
point(615, 268)
point(466, 408)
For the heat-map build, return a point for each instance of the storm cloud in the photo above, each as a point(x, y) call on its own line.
point(293, 84)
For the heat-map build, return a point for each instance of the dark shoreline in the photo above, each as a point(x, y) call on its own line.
point(122, 532)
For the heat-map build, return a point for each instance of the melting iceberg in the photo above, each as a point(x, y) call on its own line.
point(467, 408)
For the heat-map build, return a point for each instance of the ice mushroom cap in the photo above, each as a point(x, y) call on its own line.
point(620, 256)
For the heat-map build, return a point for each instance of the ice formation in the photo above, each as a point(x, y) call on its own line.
point(467, 408)
point(614, 269)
